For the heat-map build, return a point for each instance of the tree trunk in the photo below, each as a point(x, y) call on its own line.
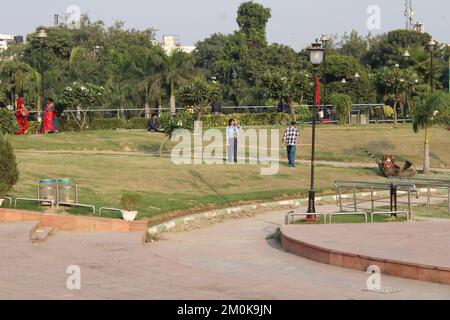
point(395, 113)
point(147, 111)
point(291, 109)
point(426, 157)
point(172, 99)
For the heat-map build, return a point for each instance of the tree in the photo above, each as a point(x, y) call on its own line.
point(79, 98)
point(9, 174)
point(19, 79)
point(353, 45)
point(252, 20)
point(397, 82)
point(291, 86)
point(179, 68)
point(434, 111)
point(387, 49)
point(343, 104)
point(200, 94)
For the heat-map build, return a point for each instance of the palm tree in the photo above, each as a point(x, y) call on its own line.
point(178, 69)
point(23, 79)
point(434, 111)
point(151, 75)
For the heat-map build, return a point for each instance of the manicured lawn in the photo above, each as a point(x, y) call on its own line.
point(335, 143)
point(107, 163)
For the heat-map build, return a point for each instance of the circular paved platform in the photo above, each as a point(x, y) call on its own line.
point(413, 250)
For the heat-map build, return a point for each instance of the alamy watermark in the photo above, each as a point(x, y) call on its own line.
point(73, 17)
point(73, 282)
point(374, 17)
point(210, 147)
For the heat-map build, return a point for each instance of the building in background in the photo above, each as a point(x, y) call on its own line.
point(7, 39)
point(171, 43)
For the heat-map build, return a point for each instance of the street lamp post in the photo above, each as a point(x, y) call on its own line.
point(357, 77)
point(42, 35)
point(430, 47)
point(316, 55)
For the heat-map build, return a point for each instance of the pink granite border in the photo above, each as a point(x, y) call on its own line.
point(353, 261)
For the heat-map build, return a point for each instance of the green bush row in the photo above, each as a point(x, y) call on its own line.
point(255, 119)
point(209, 121)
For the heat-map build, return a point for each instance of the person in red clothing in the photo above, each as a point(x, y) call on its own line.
point(49, 123)
point(22, 114)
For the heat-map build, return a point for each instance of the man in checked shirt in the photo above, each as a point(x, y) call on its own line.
point(291, 140)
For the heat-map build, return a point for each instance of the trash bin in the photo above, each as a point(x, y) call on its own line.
point(67, 191)
point(48, 190)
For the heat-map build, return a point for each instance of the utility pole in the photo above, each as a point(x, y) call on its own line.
point(409, 15)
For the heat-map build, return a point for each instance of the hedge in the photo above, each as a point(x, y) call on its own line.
point(109, 124)
point(137, 123)
point(255, 119)
point(209, 121)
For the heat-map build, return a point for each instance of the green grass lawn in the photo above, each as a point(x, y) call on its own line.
point(106, 164)
point(335, 143)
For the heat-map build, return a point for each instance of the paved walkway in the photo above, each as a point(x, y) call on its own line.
point(416, 243)
point(232, 260)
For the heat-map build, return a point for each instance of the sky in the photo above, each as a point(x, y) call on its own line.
point(296, 23)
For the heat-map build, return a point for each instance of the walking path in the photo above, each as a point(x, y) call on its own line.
point(231, 260)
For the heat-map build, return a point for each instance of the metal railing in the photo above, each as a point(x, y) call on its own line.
point(378, 194)
point(435, 188)
point(360, 114)
point(293, 214)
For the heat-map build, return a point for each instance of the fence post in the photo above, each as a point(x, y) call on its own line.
point(372, 200)
point(393, 199)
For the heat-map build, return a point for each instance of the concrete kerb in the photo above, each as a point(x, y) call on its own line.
point(170, 225)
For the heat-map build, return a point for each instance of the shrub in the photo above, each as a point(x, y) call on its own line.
point(68, 125)
point(303, 113)
point(109, 124)
point(343, 104)
point(254, 119)
point(34, 127)
point(137, 123)
point(9, 174)
point(388, 111)
point(130, 201)
point(8, 122)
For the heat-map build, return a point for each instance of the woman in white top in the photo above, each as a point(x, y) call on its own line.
point(232, 141)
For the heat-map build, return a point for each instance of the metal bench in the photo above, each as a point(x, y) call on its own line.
point(348, 214)
point(408, 217)
point(292, 214)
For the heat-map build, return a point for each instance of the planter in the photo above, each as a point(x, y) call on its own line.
point(129, 216)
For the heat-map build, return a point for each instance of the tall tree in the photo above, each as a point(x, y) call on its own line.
point(434, 111)
point(252, 20)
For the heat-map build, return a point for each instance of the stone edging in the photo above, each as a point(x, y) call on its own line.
point(165, 227)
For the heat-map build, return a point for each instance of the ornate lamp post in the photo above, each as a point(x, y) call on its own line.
point(42, 35)
point(430, 47)
point(316, 55)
